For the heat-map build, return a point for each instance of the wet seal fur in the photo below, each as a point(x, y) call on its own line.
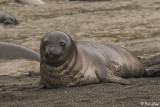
point(13, 51)
point(65, 62)
point(7, 19)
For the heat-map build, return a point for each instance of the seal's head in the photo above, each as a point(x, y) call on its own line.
point(56, 47)
point(8, 20)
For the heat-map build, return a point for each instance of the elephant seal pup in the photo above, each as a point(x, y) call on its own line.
point(65, 62)
point(7, 19)
point(13, 51)
point(30, 2)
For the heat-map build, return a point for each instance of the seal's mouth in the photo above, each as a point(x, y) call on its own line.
point(52, 56)
point(54, 60)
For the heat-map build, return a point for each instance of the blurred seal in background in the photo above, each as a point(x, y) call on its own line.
point(30, 2)
point(13, 51)
point(7, 19)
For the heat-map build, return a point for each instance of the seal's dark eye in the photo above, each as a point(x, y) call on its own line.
point(46, 42)
point(62, 44)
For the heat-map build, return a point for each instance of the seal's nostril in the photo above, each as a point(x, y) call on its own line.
point(52, 49)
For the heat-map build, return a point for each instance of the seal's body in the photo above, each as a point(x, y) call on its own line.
point(65, 62)
point(30, 2)
point(13, 51)
point(7, 19)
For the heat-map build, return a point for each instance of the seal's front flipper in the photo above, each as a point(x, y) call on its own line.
point(108, 76)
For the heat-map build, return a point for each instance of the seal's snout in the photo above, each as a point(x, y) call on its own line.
point(52, 53)
point(52, 50)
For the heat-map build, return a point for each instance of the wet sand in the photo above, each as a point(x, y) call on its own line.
point(133, 24)
point(23, 91)
point(26, 91)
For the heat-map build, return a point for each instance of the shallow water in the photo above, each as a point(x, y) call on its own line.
point(133, 24)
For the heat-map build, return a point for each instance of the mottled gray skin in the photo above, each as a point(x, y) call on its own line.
point(7, 19)
point(65, 62)
point(13, 51)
